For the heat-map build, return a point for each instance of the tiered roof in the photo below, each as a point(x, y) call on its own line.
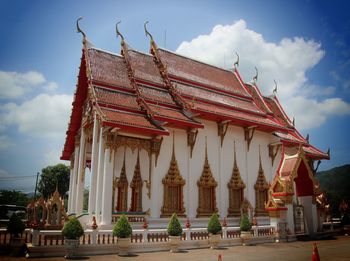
point(146, 93)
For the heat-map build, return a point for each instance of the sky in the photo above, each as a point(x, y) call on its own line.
point(303, 45)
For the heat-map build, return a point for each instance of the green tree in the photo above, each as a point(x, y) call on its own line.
point(52, 176)
point(13, 197)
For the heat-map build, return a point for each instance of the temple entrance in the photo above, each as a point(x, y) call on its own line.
point(304, 208)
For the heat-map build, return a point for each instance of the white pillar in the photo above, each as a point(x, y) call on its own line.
point(71, 177)
point(106, 211)
point(72, 194)
point(81, 174)
point(99, 182)
point(94, 166)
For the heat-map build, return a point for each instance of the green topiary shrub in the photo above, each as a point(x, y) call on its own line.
point(245, 224)
point(72, 229)
point(15, 225)
point(122, 229)
point(214, 226)
point(174, 226)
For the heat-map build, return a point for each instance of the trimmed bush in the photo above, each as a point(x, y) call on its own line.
point(245, 224)
point(15, 225)
point(174, 226)
point(214, 226)
point(72, 229)
point(122, 229)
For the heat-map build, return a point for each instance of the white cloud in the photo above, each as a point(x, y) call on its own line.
point(5, 142)
point(14, 84)
point(287, 61)
point(45, 115)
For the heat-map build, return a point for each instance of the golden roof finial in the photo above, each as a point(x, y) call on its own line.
point(79, 30)
point(118, 32)
point(173, 153)
point(255, 78)
point(206, 151)
point(236, 64)
point(260, 165)
point(147, 32)
point(275, 90)
point(234, 156)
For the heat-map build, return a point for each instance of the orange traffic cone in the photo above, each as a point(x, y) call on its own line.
point(219, 258)
point(315, 255)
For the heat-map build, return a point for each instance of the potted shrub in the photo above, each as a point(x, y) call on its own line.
point(15, 227)
point(72, 231)
point(246, 227)
point(174, 231)
point(214, 230)
point(122, 230)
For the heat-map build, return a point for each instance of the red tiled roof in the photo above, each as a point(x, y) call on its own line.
point(315, 153)
point(113, 97)
point(108, 68)
point(156, 95)
point(288, 167)
point(127, 118)
point(198, 72)
point(258, 98)
point(144, 67)
point(216, 97)
point(289, 137)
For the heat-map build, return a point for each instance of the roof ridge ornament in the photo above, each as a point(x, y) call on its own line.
point(236, 64)
point(147, 32)
point(79, 29)
point(255, 78)
point(275, 90)
point(118, 32)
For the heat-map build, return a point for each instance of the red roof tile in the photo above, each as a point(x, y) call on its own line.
point(195, 71)
point(156, 95)
point(108, 68)
point(144, 67)
point(113, 97)
point(219, 98)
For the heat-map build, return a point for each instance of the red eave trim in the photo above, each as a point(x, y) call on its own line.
point(179, 122)
point(135, 129)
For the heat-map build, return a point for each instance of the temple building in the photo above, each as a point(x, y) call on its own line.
point(164, 133)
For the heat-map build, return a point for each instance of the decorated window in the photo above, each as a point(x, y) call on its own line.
point(136, 188)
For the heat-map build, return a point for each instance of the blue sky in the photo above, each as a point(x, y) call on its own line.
point(304, 45)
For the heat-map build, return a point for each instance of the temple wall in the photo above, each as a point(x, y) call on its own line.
point(221, 163)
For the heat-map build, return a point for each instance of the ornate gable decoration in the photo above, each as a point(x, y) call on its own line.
point(173, 177)
point(122, 181)
point(236, 181)
point(206, 179)
point(173, 189)
point(261, 183)
point(206, 189)
point(136, 179)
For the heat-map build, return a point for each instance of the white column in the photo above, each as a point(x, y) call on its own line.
point(71, 175)
point(94, 166)
point(72, 194)
point(81, 174)
point(106, 211)
point(99, 182)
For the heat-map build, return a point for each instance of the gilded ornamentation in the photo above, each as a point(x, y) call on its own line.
point(235, 188)
point(191, 139)
point(206, 190)
point(121, 184)
point(248, 134)
point(261, 188)
point(273, 151)
point(173, 189)
point(247, 208)
point(222, 129)
point(136, 188)
point(155, 147)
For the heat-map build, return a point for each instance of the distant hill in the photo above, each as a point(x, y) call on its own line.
point(335, 183)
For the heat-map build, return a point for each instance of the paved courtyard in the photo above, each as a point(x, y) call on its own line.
point(337, 249)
